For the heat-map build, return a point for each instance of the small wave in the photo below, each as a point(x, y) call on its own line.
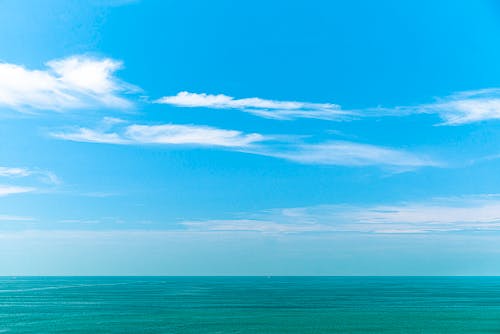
point(63, 287)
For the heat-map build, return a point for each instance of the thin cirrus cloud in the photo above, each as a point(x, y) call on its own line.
point(35, 178)
point(10, 218)
point(438, 215)
point(326, 153)
point(14, 172)
point(344, 153)
point(6, 190)
point(21, 172)
point(456, 109)
point(466, 107)
point(165, 134)
point(70, 83)
point(258, 106)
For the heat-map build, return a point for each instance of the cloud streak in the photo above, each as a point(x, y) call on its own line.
point(475, 213)
point(14, 172)
point(165, 134)
point(21, 172)
point(257, 106)
point(457, 109)
point(344, 153)
point(33, 177)
point(338, 153)
point(466, 107)
point(71, 83)
point(10, 218)
point(6, 190)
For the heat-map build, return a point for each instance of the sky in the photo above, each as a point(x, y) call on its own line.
point(249, 138)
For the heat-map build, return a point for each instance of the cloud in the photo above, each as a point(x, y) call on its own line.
point(441, 214)
point(345, 153)
point(456, 109)
point(81, 81)
point(257, 106)
point(6, 190)
point(75, 82)
point(466, 107)
point(14, 172)
point(250, 225)
point(33, 177)
point(166, 134)
point(435, 213)
point(473, 213)
point(9, 218)
point(91, 136)
point(190, 134)
point(339, 153)
point(21, 172)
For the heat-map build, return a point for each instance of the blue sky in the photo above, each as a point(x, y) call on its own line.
point(262, 138)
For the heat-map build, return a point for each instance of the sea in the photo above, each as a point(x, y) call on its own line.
point(249, 305)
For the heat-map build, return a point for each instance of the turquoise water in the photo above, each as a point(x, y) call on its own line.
point(250, 305)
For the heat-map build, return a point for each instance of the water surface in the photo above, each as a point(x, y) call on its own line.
point(250, 305)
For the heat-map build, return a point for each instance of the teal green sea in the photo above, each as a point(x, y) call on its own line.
point(250, 305)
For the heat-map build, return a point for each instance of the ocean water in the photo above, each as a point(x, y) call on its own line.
point(250, 305)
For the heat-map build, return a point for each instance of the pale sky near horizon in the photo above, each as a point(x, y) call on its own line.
point(249, 138)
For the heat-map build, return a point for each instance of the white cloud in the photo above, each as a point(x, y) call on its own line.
point(69, 83)
point(190, 134)
point(21, 172)
point(166, 134)
point(449, 214)
point(457, 109)
point(345, 153)
point(476, 213)
point(467, 107)
point(250, 225)
point(91, 136)
point(10, 218)
point(6, 190)
point(14, 172)
point(33, 177)
point(486, 212)
point(340, 153)
point(260, 107)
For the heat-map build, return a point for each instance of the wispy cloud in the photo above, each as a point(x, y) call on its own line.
point(190, 134)
point(14, 171)
point(21, 172)
point(456, 109)
point(91, 136)
point(465, 107)
point(340, 153)
point(87, 82)
point(70, 83)
point(251, 225)
point(6, 190)
point(344, 153)
point(258, 106)
point(34, 178)
point(10, 218)
point(165, 134)
point(473, 213)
